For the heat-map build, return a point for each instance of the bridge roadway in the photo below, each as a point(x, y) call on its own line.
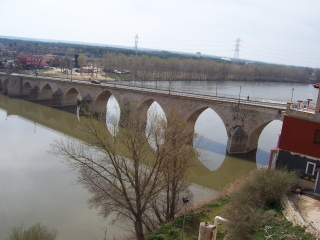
point(244, 119)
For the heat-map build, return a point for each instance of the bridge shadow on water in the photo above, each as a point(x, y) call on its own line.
point(228, 167)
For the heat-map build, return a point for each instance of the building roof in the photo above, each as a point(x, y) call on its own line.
point(28, 56)
point(50, 55)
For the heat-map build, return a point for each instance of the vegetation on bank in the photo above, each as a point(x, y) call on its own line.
point(253, 206)
point(157, 65)
point(36, 231)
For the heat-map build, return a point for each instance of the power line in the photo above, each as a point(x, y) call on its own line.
point(210, 45)
point(285, 51)
point(236, 52)
point(136, 44)
point(277, 54)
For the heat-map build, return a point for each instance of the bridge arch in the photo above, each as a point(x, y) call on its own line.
point(145, 107)
point(141, 107)
point(253, 138)
point(212, 133)
point(46, 92)
point(101, 101)
point(26, 88)
point(267, 139)
point(193, 117)
point(71, 96)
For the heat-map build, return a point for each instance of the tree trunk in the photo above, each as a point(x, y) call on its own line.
point(139, 229)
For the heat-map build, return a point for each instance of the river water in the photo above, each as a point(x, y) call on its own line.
point(37, 187)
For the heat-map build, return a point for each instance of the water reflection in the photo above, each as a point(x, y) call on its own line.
point(112, 115)
point(35, 186)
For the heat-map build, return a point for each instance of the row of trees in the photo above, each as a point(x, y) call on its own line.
point(204, 69)
point(139, 172)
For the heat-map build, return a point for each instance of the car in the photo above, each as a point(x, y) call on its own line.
point(95, 82)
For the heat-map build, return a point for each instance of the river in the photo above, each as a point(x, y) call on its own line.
point(38, 187)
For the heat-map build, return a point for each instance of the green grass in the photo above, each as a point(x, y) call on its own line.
point(278, 228)
point(205, 213)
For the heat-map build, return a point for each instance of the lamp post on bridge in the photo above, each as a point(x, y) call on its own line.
point(240, 93)
point(292, 94)
point(217, 89)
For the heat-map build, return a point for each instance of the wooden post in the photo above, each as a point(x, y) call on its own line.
point(205, 231)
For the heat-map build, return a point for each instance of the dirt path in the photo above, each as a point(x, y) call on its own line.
point(309, 208)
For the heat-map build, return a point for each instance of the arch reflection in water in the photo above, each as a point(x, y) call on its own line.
point(267, 140)
point(112, 115)
point(211, 129)
point(154, 108)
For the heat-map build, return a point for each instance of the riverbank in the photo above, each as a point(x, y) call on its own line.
point(273, 221)
point(109, 76)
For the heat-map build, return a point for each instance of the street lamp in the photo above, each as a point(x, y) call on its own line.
point(185, 200)
point(217, 89)
point(292, 94)
point(240, 93)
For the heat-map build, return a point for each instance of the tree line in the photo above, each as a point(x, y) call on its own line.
point(152, 68)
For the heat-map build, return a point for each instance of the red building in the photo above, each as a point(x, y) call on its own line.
point(299, 142)
point(32, 60)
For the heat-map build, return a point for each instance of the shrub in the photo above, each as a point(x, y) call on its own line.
point(268, 186)
point(34, 232)
point(262, 191)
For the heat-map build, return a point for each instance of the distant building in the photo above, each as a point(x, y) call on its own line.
point(249, 63)
point(299, 142)
point(51, 59)
point(226, 59)
point(198, 54)
point(87, 70)
point(32, 60)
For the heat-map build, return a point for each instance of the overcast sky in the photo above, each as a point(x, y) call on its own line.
point(276, 31)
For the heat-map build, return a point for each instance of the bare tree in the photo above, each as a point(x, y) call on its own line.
point(82, 60)
point(122, 171)
point(180, 157)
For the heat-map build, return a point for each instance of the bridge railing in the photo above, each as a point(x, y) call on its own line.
point(173, 90)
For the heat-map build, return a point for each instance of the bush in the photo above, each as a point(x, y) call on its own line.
point(34, 232)
point(262, 191)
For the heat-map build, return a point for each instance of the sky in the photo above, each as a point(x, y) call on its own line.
point(273, 31)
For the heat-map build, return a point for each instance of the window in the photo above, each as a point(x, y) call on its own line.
point(311, 167)
point(317, 136)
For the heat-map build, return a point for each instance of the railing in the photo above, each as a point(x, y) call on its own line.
point(207, 95)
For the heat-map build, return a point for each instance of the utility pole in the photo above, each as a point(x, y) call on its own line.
point(236, 52)
point(239, 95)
point(136, 44)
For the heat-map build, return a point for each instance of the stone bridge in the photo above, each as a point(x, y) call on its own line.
point(244, 120)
